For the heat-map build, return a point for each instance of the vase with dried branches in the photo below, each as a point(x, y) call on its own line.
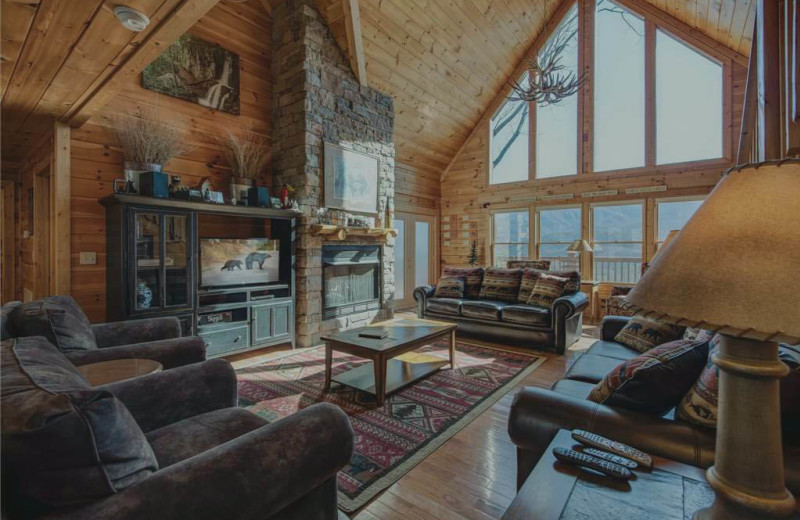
point(247, 153)
point(147, 144)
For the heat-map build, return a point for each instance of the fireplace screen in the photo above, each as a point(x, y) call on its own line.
point(351, 276)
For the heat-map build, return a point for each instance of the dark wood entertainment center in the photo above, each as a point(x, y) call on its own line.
point(153, 269)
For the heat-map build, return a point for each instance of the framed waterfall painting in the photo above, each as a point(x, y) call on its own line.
point(197, 71)
point(351, 180)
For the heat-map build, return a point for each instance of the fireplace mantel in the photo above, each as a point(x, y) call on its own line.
point(333, 232)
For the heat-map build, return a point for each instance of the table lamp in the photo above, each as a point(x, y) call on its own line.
point(580, 246)
point(733, 269)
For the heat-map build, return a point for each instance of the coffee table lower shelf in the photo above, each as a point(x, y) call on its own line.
point(399, 373)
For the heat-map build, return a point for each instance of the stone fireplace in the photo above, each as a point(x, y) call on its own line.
point(317, 98)
point(350, 280)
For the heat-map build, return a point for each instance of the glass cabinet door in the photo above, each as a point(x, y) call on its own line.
point(176, 247)
point(148, 260)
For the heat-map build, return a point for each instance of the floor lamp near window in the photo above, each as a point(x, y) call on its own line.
point(733, 269)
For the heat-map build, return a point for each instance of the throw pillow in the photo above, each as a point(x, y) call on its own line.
point(450, 287)
point(547, 290)
point(527, 283)
point(473, 279)
point(654, 382)
point(574, 277)
point(642, 334)
point(542, 265)
point(57, 318)
point(501, 284)
point(64, 443)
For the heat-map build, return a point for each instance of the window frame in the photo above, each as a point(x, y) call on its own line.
point(666, 200)
point(531, 141)
point(493, 244)
point(642, 258)
point(537, 238)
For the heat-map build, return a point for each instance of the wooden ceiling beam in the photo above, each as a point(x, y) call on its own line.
point(355, 44)
point(171, 27)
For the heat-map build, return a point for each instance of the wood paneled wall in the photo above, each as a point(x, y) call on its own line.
point(416, 190)
point(243, 28)
point(468, 198)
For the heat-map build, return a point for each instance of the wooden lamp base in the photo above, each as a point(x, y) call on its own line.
point(747, 474)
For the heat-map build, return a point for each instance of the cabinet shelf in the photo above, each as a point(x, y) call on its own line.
point(334, 232)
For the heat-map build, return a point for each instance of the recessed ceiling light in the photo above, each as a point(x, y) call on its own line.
point(131, 18)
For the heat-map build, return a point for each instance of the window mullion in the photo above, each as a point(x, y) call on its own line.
point(650, 94)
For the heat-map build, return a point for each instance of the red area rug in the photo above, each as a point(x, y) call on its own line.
point(411, 424)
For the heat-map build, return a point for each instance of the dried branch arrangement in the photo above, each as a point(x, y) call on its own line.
point(145, 139)
point(247, 152)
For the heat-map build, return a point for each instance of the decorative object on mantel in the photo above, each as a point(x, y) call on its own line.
point(351, 180)
point(247, 153)
point(754, 200)
point(336, 232)
point(147, 145)
point(197, 71)
point(548, 81)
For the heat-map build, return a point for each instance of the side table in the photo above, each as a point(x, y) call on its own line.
point(105, 372)
point(591, 289)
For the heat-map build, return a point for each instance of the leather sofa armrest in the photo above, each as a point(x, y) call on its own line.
point(421, 295)
point(171, 353)
point(611, 326)
point(537, 414)
point(136, 331)
point(252, 477)
point(570, 304)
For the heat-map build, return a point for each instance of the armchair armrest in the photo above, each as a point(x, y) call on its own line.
point(611, 325)
point(136, 331)
point(252, 477)
point(160, 399)
point(568, 305)
point(170, 353)
point(537, 414)
point(421, 295)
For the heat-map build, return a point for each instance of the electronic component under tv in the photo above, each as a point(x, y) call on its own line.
point(232, 262)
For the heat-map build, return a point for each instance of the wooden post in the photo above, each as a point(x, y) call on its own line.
point(61, 251)
point(355, 45)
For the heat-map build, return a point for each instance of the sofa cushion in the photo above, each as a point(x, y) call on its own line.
point(642, 333)
point(6, 326)
point(57, 318)
point(482, 309)
point(473, 279)
point(612, 349)
point(445, 305)
point(189, 437)
point(591, 368)
point(501, 284)
point(542, 265)
point(64, 443)
point(654, 382)
point(450, 287)
point(547, 290)
point(527, 315)
point(577, 389)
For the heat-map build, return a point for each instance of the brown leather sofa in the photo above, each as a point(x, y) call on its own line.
point(537, 414)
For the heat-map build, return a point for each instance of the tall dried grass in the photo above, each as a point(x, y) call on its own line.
point(146, 139)
point(247, 152)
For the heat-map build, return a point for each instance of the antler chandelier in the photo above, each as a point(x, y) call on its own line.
point(548, 81)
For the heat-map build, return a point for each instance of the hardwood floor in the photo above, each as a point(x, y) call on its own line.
point(472, 476)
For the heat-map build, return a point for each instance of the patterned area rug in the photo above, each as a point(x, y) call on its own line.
point(411, 424)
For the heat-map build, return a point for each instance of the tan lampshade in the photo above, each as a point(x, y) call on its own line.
point(580, 246)
point(735, 266)
point(670, 236)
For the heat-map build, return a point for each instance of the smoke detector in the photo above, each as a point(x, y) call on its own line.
point(131, 18)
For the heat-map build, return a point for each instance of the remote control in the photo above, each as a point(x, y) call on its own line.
point(587, 461)
point(617, 448)
point(610, 457)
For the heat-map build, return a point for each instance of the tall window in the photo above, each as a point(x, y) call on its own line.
point(619, 86)
point(673, 215)
point(688, 103)
point(509, 143)
point(510, 237)
point(557, 125)
point(558, 228)
point(617, 242)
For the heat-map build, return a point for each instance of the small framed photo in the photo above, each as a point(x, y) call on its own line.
point(351, 180)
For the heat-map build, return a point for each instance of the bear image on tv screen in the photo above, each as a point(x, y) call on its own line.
point(231, 262)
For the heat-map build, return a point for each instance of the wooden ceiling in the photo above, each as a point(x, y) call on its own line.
point(65, 59)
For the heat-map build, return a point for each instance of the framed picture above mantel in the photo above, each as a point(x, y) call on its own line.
point(351, 180)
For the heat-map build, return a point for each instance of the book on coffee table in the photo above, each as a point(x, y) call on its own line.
point(374, 333)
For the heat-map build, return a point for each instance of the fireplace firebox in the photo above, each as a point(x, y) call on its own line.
point(350, 279)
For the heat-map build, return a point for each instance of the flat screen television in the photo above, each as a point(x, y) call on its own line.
point(231, 262)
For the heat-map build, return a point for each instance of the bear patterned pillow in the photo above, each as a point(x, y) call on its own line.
point(547, 289)
point(642, 334)
point(654, 382)
point(450, 287)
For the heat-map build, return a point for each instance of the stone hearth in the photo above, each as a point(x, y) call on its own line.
point(316, 98)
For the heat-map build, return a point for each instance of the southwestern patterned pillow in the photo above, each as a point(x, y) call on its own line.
point(528, 282)
point(473, 277)
point(450, 287)
point(642, 334)
point(547, 289)
point(574, 284)
point(542, 265)
point(654, 382)
point(501, 284)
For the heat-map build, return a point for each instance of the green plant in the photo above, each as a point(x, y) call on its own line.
point(473, 254)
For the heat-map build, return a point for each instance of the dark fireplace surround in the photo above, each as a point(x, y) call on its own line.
point(351, 279)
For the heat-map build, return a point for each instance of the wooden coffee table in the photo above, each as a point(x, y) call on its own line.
point(105, 372)
point(387, 373)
